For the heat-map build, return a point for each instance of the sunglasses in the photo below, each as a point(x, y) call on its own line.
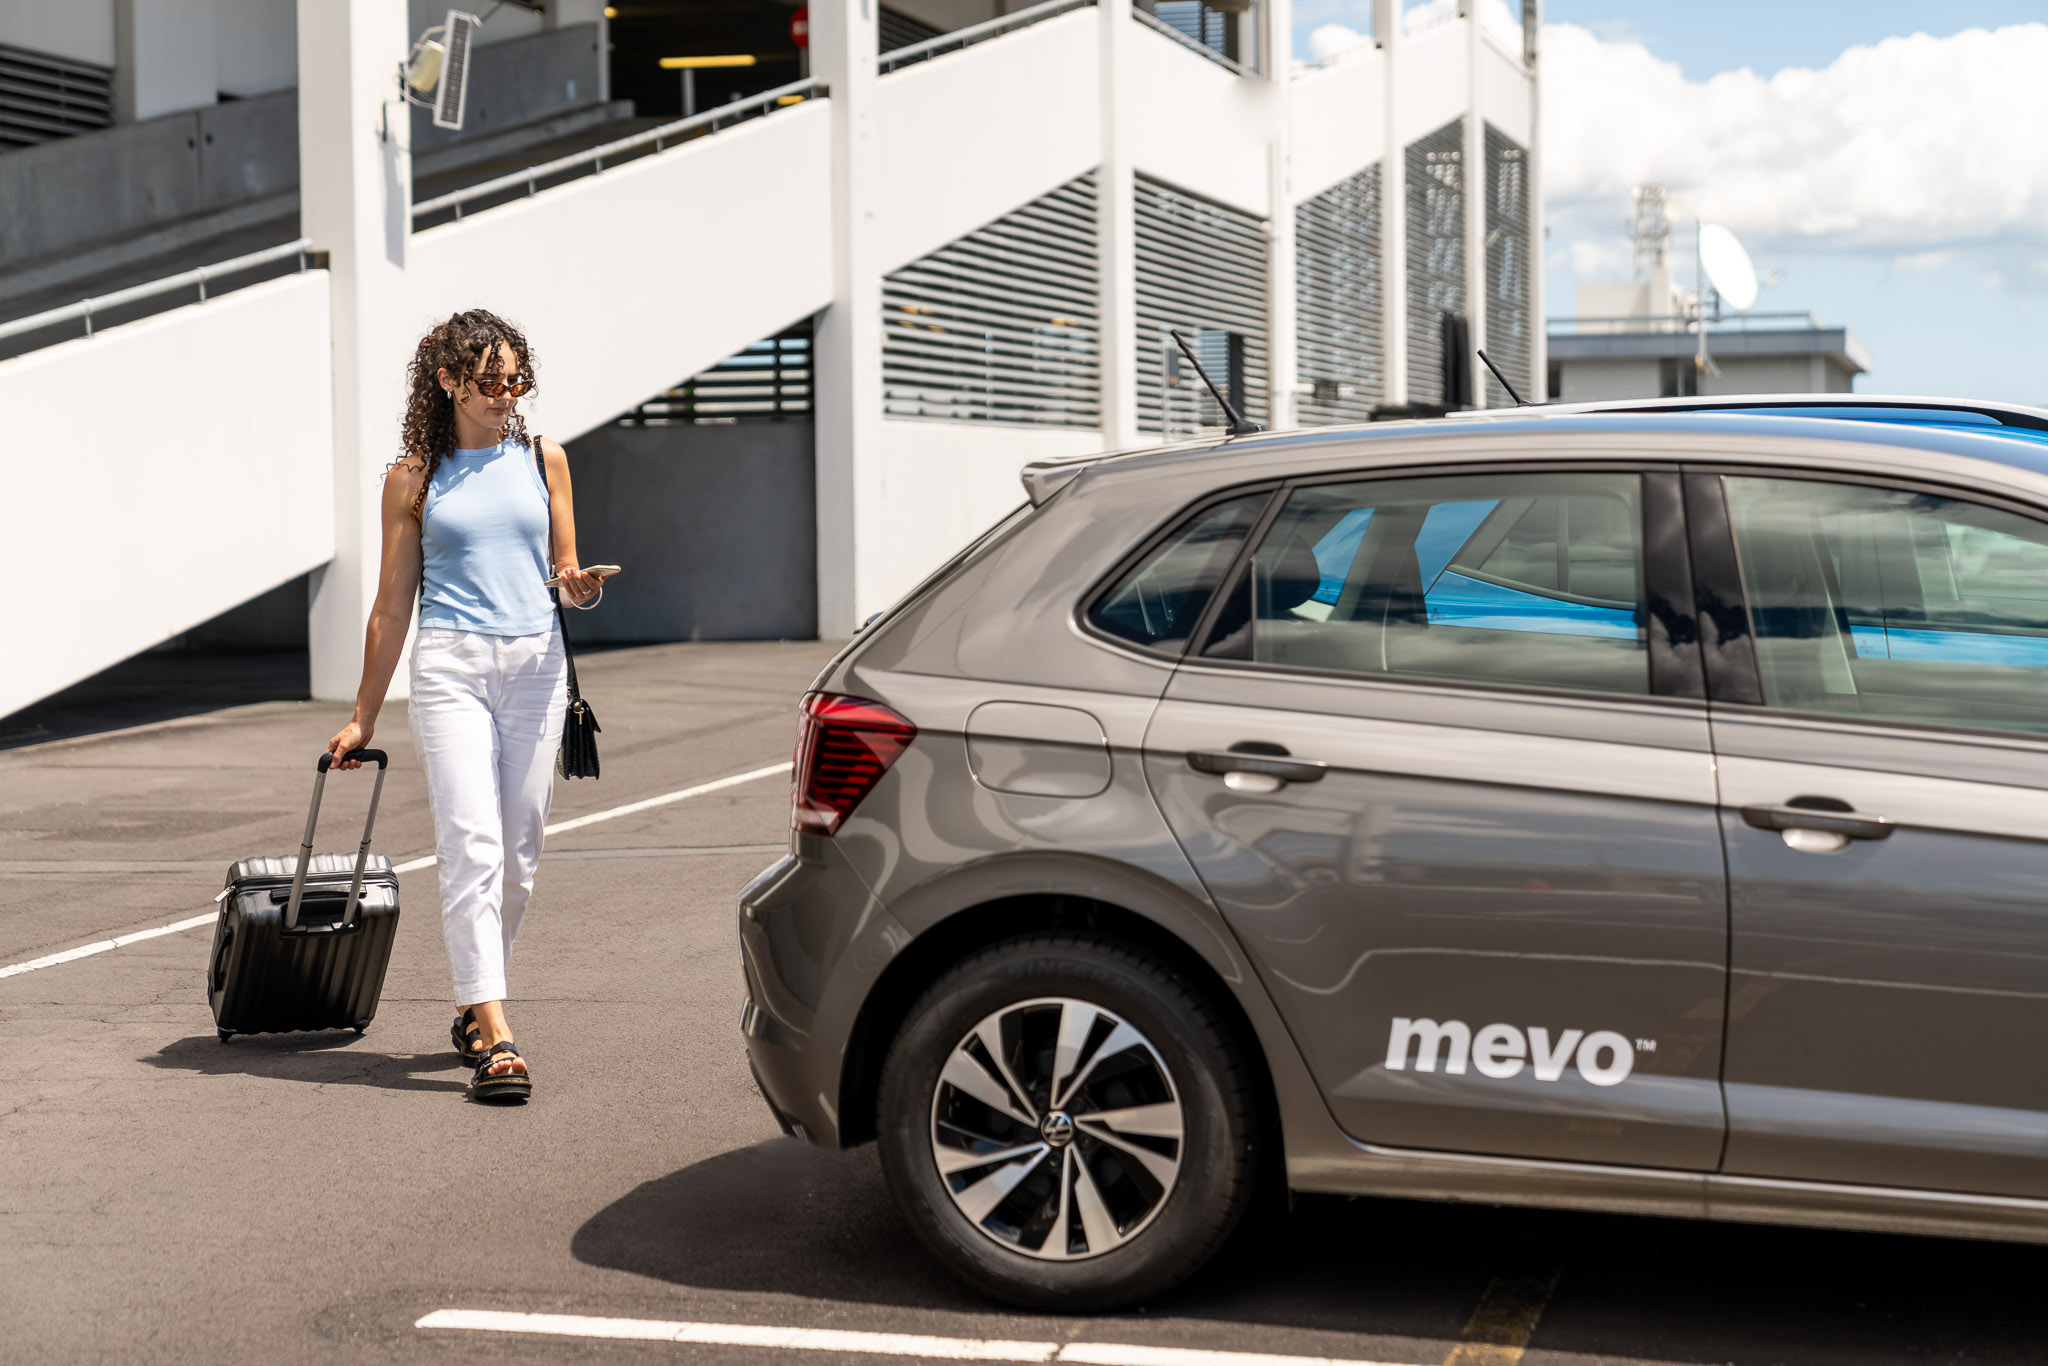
point(495, 388)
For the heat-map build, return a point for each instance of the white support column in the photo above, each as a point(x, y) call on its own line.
point(1386, 31)
point(1118, 237)
point(1539, 330)
point(356, 204)
point(164, 57)
point(847, 362)
point(1476, 190)
point(1281, 312)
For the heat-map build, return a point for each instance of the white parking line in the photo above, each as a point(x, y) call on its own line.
point(411, 866)
point(845, 1340)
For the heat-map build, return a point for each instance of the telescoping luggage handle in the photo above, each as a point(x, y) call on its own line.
point(355, 890)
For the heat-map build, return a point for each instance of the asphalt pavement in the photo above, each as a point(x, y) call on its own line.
point(313, 1198)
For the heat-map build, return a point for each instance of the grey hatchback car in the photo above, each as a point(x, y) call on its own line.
point(1637, 811)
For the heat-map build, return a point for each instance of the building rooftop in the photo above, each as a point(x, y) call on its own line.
point(1755, 334)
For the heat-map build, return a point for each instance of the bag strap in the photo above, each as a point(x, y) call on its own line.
point(569, 656)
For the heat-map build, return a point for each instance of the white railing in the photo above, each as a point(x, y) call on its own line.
point(100, 303)
point(754, 106)
point(1158, 25)
point(976, 33)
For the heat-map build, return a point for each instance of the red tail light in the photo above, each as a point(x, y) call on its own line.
point(843, 747)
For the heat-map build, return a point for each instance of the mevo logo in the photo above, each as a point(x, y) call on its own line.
point(1501, 1051)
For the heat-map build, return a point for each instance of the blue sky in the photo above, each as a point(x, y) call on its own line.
point(1901, 191)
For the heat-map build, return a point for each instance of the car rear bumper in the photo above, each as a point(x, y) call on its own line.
point(813, 940)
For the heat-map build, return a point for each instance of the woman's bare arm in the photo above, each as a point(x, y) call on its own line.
point(562, 507)
point(398, 584)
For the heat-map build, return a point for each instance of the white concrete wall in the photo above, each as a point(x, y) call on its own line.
point(201, 479)
point(256, 46)
point(1433, 80)
point(80, 29)
point(1503, 96)
point(164, 57)
point(685, 258)
point(992, 128)
point(941, 485)
point(1197, 125)
point(1339, 122)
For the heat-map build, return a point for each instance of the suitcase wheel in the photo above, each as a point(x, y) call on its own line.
point(361, 1029)
point(225, 1034)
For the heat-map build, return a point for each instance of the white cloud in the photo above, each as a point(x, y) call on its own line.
point(1926, 262)
point(1598, 260)
point(1331, 40)
point(1914, 146)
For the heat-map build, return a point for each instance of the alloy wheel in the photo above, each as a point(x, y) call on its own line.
point(1057, 1129)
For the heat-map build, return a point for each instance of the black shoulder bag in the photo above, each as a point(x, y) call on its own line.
point(577, 757)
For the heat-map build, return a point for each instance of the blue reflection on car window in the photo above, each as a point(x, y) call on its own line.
point(1335, 552)
point(1954, 647)
point(1444, 533)
point(1459, 601)
point(1454, 599)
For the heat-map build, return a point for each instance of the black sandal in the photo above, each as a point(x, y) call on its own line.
point(468, 1038)
point(487, 1085)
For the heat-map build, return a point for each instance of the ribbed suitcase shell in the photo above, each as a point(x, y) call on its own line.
point(266, 979)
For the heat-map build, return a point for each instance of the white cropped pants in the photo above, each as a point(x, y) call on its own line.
point(486, 717)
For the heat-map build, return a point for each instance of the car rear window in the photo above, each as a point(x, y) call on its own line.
point(1156, 602)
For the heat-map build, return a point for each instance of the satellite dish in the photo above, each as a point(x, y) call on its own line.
point(436, 75)
point(1728, 267)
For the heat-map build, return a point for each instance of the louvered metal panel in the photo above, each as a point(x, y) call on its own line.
point(1509, 298)
point(769, 381)
point(1338, 306)
point(1202, 269)
point(895, 30)
point(1001, 325)
point(1199, 24)
point(1436, 253)
point(44, 96)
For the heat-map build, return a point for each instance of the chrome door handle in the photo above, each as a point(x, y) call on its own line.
point(1244, 772)
point(1847, 823)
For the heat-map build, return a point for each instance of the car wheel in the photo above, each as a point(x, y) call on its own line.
point(1066, 1124)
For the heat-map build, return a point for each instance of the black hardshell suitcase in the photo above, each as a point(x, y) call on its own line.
point(302, 942)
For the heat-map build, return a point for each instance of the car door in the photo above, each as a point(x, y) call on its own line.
point(1442, 762)
point(1884, 775)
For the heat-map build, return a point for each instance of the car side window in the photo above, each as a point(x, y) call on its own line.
point(1157, 602)
point(1531, 580)
point(1894, 605)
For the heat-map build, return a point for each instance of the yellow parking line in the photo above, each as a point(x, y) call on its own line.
point(1504, 1321)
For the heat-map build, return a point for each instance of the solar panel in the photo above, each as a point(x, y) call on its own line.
point(454, 88)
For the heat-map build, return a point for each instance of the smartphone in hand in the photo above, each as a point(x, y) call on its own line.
point(596, 571)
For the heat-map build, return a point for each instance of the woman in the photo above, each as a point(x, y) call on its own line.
point(466, 525)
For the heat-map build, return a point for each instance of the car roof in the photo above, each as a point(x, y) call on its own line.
point(2017, 419)
point(2009, 457)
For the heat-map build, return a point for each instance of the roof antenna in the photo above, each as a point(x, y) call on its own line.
point(1520, 402)
point(1239, 425)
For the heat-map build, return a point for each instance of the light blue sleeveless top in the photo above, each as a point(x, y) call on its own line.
point(483, 539)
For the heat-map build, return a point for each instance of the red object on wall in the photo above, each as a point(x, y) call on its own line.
point(800, 26)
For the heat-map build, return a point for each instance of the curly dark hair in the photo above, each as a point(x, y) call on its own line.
point(465, 345)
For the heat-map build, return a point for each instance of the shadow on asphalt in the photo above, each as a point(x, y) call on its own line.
point(782, 1217)
point(320, 1058)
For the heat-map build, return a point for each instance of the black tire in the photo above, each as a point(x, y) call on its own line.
point(1016, 981)
point(225, 1034)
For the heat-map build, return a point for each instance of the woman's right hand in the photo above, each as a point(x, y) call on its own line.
point(353, 736)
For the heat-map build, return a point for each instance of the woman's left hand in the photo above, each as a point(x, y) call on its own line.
point(577, 586)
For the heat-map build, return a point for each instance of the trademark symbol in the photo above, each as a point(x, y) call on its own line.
point(1646, 1045)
